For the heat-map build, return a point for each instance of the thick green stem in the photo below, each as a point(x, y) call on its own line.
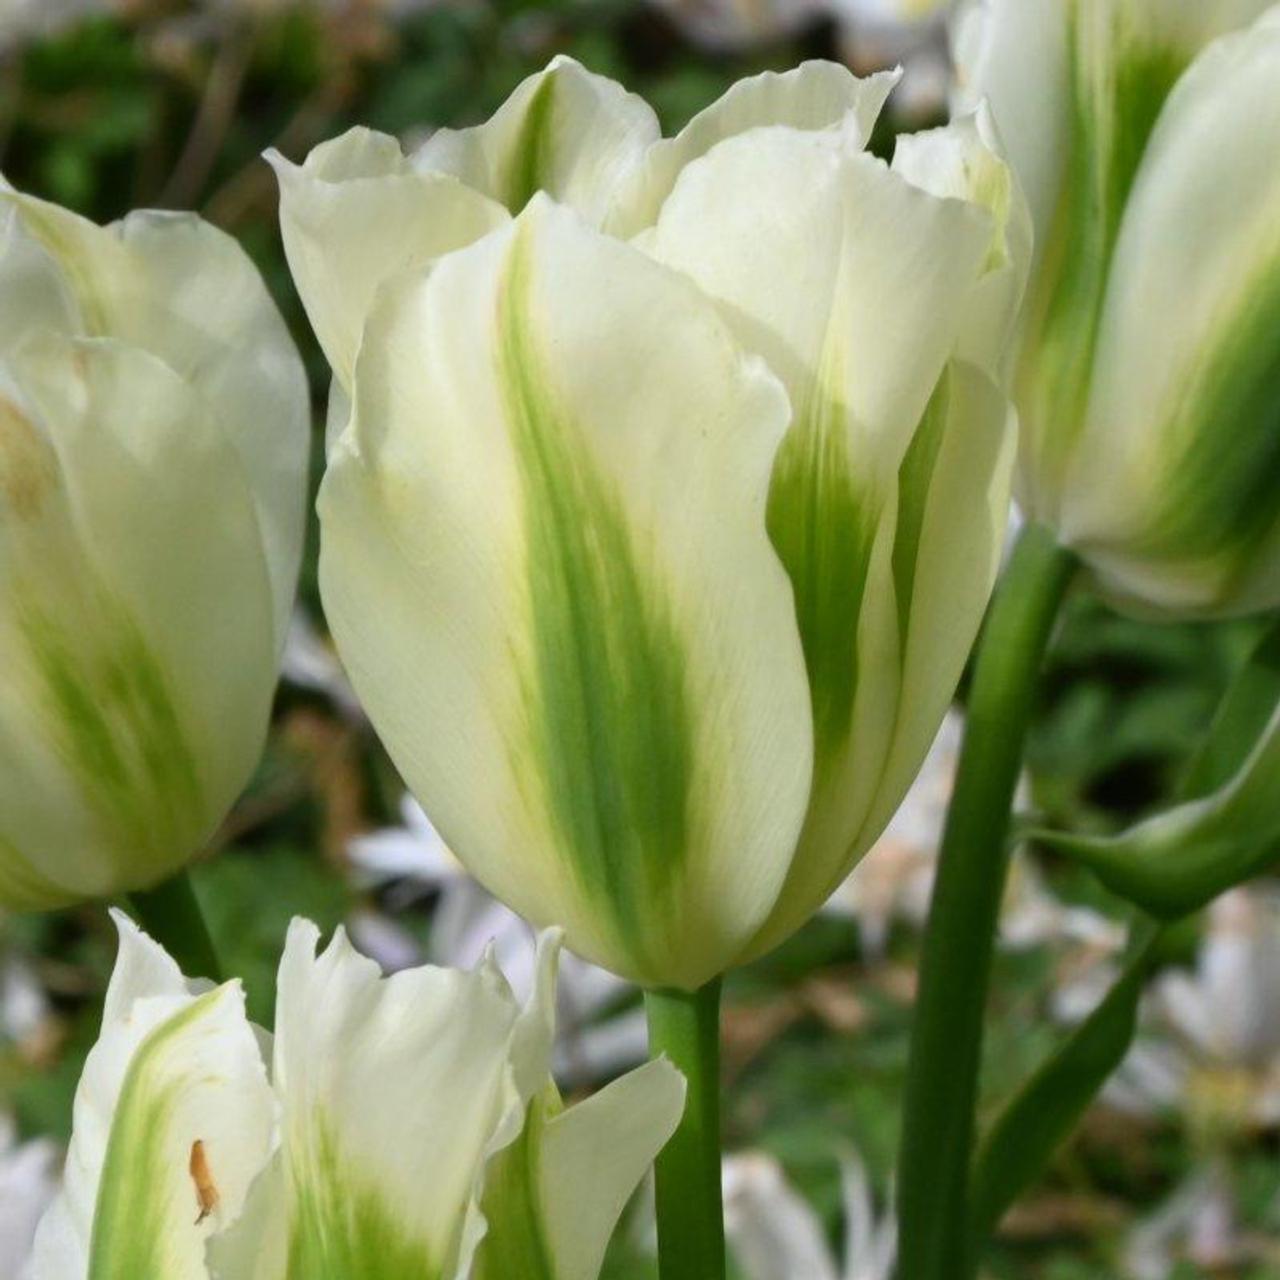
point(172, 915)
point(690, 1215)
point(955, 966)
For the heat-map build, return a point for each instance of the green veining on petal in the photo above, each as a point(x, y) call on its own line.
point(533, 155)
point(23, 887)
point(1119, 81)
point(515, 1245)
point(1218, 450)
point(136, 1213)
point(822, 527)
point(340, 1226)
point(914, 478)
point(114, 722)
point(610, 739)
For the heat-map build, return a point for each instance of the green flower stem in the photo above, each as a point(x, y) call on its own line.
point(955, 965)
point(172, 915)
point(686, 1028)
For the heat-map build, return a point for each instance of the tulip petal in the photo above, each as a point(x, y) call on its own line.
point(187, 293)
point(1173, 497)
point(546, 567)
point(880, 274)
point(564, 131)
point(965, 160)
point(814, 95)
point(953, 509)
point(391, 1089)
point(357, 213)
point(119, 751)
point(593, 1157)
point(173, 1120)
point(553, 1198)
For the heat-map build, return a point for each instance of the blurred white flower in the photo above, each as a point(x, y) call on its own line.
point(28, 1180)
point(1212, 1040)
point(775, 1234)
point(894, 882)
point(466, 921)
point(1210, 1052)
point(311, 663)
point(1197, 1223)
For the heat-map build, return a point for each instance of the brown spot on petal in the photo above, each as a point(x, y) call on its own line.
point(206, 1189)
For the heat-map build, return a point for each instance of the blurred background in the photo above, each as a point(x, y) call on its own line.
point(108, 105)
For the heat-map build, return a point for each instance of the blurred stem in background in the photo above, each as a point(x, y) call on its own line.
point(172, 915)
point(686, 1028)
point(955, 968)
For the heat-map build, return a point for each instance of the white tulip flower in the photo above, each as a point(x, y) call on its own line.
point(154, 432)
point(1146, 134)
point(667, 486)
point(404, 1126)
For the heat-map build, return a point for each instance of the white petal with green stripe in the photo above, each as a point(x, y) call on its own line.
point(1076, 88)
point(127, 724)
point(565, 131)
point(545, 562)
point(423, 1138)
point(1173, 495)
point(175, 1066)
point(390, 1090)
point(554, 1196)
point(880, 277)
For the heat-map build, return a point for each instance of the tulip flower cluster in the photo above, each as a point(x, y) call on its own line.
point(404, 1126)
point(667, 483)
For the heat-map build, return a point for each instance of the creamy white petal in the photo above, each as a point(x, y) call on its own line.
point(129, 724)
point(966, 160)
point(814, 95)
point(391, 1089)
point(545, 563)
point(173, 1120)
point(354, 215)
point(879, 279)
point(593, 1157)
point(565, 131)
point(186, 292)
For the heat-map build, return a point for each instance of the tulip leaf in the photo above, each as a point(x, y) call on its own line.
point(1036, 1121)
point(1228, 827)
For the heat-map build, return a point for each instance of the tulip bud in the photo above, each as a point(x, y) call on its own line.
point(1149, 370)
point(154, 430)
point(668, 505)
point(410, 1127)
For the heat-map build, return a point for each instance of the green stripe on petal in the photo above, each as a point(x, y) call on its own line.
point(343, 1228)
point(114, 722)
point(605, 697)
point(1118, 81)
point(823, 528)
point(515, 1245)
point(1220, 447)
point(585, 659)
point(195, 1077)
